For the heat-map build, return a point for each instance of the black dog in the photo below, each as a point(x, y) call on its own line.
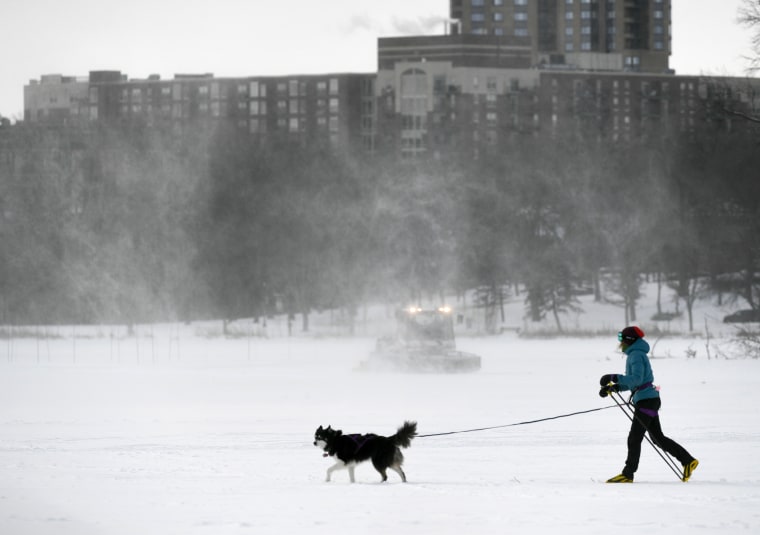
point(350, 450)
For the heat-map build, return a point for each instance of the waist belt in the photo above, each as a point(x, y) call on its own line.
point(642, 387)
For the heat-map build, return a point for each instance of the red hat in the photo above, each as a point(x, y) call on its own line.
point(630, 334)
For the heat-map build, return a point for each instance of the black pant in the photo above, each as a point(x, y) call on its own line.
point(646, 418)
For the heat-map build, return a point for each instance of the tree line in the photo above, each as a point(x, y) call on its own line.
point(134, 224)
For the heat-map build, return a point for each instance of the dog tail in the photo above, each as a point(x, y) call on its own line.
point(405, 434)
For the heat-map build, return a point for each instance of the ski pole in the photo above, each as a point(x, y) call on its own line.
point(631, 414)
point(618, 399)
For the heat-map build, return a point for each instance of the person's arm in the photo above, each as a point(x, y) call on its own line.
point(636, 376)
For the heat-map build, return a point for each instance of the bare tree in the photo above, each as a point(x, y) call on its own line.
point(749, 16)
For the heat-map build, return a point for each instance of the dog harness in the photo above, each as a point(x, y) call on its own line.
point(359, 440)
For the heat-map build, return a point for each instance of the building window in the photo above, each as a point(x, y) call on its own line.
point(568, 15)
point(521, 32)
point(414, 93)
point(478, 17)
point(498, 2)
point(498, 16)
point(439, 85)
point(521, 16)
point(334, 86)
point(478, 2)
point(521, 2)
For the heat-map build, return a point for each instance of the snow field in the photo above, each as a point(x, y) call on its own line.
point(217, 438)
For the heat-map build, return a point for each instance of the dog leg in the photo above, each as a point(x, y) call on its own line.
point(380, 466)
point(400, 472)
point(351, 468)
point(339, 465)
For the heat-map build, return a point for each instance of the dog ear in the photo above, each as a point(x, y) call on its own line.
point(329, 428)
point(319, 429)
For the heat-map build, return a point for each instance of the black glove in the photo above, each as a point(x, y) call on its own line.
point(608, 378)
point(606, 389)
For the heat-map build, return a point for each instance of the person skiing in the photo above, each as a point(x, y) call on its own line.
point(638, 379)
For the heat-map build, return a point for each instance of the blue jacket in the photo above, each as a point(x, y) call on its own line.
point(638, 372)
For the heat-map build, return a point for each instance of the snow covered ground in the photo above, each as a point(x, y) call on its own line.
point(214, 436)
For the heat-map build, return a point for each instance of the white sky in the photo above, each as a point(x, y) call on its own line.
point(262, 37)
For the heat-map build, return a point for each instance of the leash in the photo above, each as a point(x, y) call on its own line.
point(518, 423)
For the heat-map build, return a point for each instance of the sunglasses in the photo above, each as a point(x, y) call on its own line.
point(620, 336)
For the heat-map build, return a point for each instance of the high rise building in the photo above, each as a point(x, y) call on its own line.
point(631, 35)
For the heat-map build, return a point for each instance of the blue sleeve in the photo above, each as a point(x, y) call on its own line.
point(635, 372)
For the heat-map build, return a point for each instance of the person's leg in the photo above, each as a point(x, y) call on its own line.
point(672, 447)
point(668, 444)
point(635, 436)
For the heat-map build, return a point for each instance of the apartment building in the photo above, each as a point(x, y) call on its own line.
point(434, 108)
point(301, 108)
point(55, 99)
point(503, 69)
point(631, 35)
